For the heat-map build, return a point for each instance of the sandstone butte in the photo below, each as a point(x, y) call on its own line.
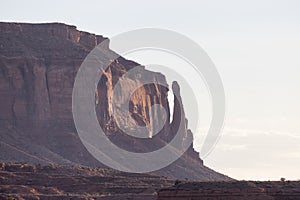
point(41, 154)
point(38, 65)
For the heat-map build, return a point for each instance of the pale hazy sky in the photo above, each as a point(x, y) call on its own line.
point(255, 46)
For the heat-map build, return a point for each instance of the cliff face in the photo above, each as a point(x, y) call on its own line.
point(38, 65)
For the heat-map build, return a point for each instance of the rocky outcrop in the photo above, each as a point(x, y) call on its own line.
point(38, 65)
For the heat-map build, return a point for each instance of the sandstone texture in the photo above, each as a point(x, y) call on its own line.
point(38, 65)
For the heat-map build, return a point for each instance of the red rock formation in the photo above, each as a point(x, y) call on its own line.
point(38, 64)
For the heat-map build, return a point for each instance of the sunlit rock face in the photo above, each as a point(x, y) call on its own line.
point(38, 65)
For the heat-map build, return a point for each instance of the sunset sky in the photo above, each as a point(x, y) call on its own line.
point(255, 46)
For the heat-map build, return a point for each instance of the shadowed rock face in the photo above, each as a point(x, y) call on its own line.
point(38, 65)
